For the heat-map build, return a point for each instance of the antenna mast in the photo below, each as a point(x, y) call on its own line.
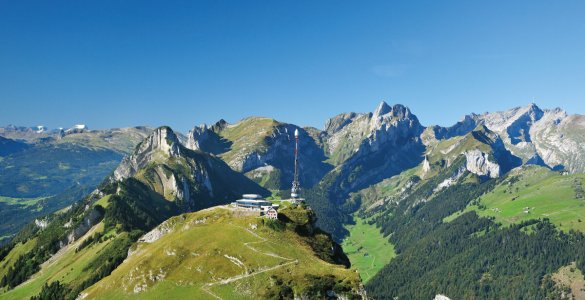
point(296, 187)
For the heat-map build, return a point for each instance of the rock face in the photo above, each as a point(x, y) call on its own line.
point(560, 140)
point(478, 163)
point(155, 234)
point(462, 127)
point(370, 147)
point(190, 178)
point(162, 142)
point(349, 134)
point(336, 123)
point(426, 165)
point(89, 220)
point(262, 148)
point(207, 139)
point(545, 137)
point(152, 157)
point(196, 136)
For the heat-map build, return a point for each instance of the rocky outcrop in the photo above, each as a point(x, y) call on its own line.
point(559, 140)
point(161, 144)
point(336, 123)
point(252, 144)
point(548, 137)
point(197, 136)
point(158, 232)
point(374, 146)
point(462, 127)
point(42, 223)
point(450, 181)
point(356, 135)
point(89, 220)
point(426, 166)
point(191, 179)
point(479, 163)
point(207, 139)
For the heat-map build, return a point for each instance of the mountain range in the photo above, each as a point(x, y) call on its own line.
point(455, 211)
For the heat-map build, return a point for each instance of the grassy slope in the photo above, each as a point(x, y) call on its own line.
point(367, 249)
point(104, 201)
point(69, 267)
point(440, 155)
point(11, 258)
point(193, 259)
point(364, 238)
point(247, 135)
point(545, 193)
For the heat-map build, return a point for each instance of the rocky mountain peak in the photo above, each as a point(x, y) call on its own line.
point(382, 109)
point(534, 112)
point(162, 143)
point(336, 123)
point(386, 116)
point(197, 135)
point(164, 139)
point(219, 126)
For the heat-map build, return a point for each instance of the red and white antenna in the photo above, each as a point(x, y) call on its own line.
point(296, 187)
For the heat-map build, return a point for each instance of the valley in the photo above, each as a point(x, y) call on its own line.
point(367, 249)
point(392, 208)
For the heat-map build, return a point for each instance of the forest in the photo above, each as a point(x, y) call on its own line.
point(469, 257)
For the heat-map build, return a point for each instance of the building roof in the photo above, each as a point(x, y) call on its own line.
point(259, 201)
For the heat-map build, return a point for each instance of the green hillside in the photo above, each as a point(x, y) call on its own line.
point(68, 266)
point(448, 238)
point(77, 247)
point(535, 193)
point(42, 255)
point(367, 249)
point(227, 253)
point(246, 136)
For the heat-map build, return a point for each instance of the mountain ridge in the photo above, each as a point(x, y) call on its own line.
point(413, 183)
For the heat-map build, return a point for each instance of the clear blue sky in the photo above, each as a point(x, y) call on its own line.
point(181, 63)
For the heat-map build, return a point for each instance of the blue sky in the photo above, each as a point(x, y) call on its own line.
point(181, 63)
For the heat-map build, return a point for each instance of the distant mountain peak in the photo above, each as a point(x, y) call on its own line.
point(402, 112)
point(382, 109)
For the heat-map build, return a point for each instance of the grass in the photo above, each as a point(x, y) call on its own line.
point(69, 267)
point(209, 246)
point(371, 197)
point(104, 201)
point(248, 134)
point(534, 193)
point(26, 202)
point(367, 249)
point(14, 254)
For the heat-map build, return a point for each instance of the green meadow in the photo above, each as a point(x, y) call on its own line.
point(534, 193)
point(367, 249)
